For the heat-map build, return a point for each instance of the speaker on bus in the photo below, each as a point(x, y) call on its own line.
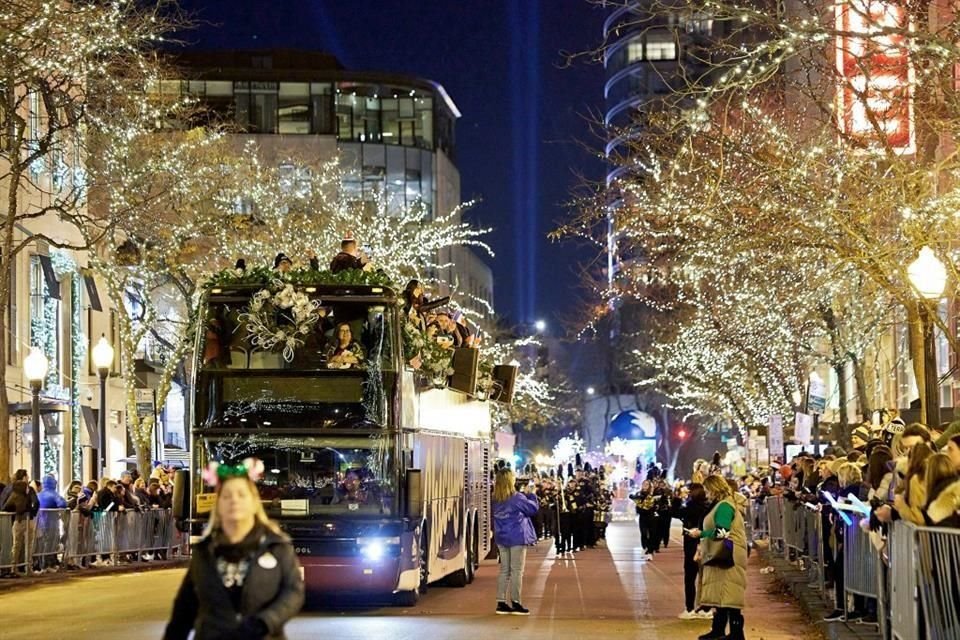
point(465, 364)
point(504, 380)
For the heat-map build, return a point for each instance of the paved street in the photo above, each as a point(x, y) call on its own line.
point(603, 593)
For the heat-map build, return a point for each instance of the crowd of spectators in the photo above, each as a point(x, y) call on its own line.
point(23, 499)
point(899, 472)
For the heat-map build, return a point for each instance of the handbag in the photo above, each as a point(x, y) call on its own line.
point(718, 553)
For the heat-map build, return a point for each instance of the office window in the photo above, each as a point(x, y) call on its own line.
point(634, 51)
point(13, 332)
point(33, 133)
point(294, 111)
point(321, 108)
point(45, 326)
point(661, 48)
point(699, 22)
point(255, 104)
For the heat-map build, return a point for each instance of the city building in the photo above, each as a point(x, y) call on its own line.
point(392, 132)
point(56, 305)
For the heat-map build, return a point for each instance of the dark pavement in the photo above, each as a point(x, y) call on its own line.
point(607, 592)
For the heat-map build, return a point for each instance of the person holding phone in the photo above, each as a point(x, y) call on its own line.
point(512, 532)
point(691, 513)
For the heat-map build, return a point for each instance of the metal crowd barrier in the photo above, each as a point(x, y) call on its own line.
point(758, 512)
point(63, 537)
point(794, 529)
point(904, 608)
point(774, 508)
point(915, 581)
point(816, 555)
point(860, 558)
point(938, 553)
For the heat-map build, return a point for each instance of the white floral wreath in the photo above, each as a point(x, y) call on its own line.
point(280, 318)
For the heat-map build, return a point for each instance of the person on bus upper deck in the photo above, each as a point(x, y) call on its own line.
point(412, 301)
point(349, 257)
point(282, 263)
point(448, 330)
point(347, 352)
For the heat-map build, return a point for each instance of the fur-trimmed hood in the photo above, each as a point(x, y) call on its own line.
point(946, 503)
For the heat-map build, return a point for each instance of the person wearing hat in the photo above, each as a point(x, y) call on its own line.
point(282, 263)
point(860, 437)
point(348, 258)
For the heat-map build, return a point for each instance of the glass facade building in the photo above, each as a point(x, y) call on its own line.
point(389, 129)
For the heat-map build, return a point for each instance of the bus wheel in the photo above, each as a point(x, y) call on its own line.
point(462, 577)
point(406, 598)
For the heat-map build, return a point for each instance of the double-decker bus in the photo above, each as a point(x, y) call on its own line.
point(383, 485)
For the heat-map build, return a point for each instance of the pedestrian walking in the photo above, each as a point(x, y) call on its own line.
point(244, 579)
point(512, 533)
point(723, 561)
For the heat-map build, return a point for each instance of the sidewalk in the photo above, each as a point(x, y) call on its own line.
point(812, 602)
point(21, 581)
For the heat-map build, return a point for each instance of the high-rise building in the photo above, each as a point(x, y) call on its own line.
point(647, 56)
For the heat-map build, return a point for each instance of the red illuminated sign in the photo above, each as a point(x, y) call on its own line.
point(875, 95)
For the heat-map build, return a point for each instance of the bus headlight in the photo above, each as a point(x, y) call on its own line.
point(375, 548)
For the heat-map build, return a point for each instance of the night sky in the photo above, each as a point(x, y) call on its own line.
point(525, 110)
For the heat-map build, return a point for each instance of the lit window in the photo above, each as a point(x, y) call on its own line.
point(664, 49)
point(634, 51)
point(700, 23)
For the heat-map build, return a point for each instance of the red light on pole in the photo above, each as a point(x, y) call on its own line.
point(682, 433)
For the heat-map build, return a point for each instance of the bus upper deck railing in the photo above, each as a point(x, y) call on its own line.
point(59, 537)
point(915, 579)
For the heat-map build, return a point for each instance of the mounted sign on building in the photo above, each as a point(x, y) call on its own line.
point(874, 92)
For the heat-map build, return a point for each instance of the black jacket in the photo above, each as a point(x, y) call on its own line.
point(343, 261)
point(692, 514)
point(272, 591)
point(22, 500)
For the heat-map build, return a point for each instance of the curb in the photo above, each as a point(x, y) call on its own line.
point(812, 604)
point(12, 584)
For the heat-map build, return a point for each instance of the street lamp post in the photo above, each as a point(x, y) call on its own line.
point(928, 276)
point(102, 359)
point(35, 368)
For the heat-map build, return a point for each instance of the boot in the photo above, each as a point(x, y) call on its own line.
point(718, 629)
point(736, 625)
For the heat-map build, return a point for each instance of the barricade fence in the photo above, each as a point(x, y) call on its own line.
point(64, 538)
point(913, 574)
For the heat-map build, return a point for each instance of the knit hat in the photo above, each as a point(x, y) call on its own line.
point(281, 258)
point(861, 432)
point(897, 425)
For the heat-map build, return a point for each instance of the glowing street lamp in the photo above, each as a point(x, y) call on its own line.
point(928, 276)
point(591, 391)
point(540, 325)
point(102, 359)
point(35, 367)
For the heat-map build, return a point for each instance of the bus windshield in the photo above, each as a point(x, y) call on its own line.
point(314, 476)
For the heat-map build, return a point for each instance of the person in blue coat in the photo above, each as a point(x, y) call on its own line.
point(512, 532)
point(49, 498)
